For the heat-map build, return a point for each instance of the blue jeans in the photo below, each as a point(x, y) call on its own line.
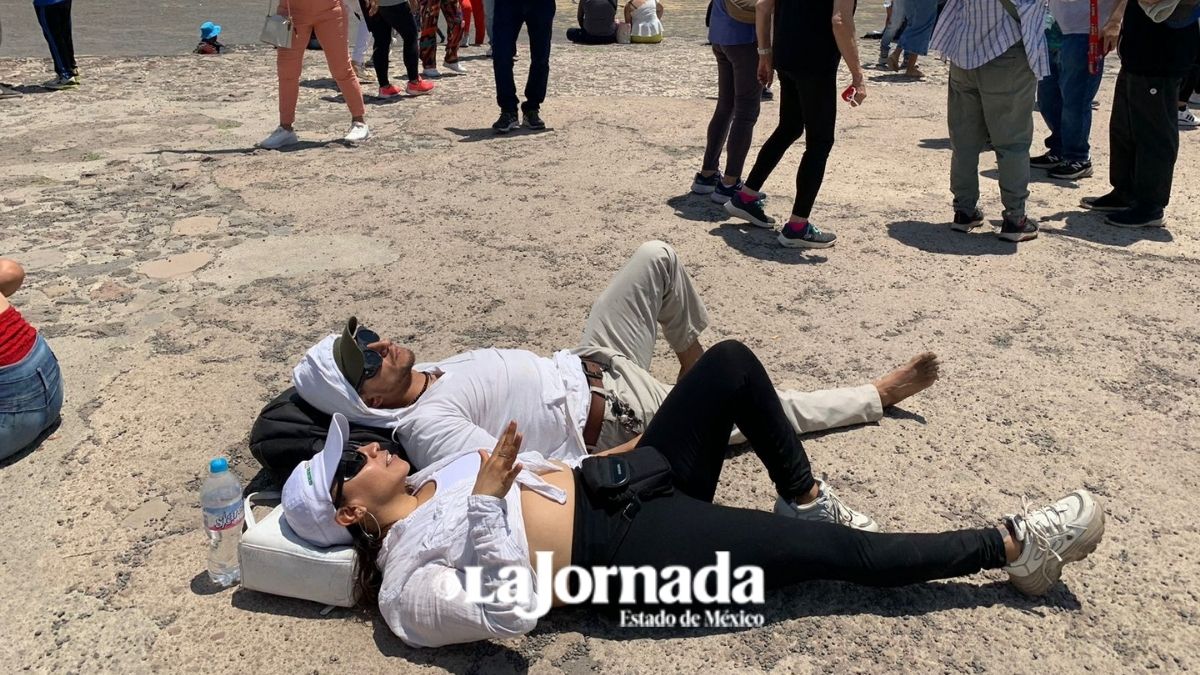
point(31, 397)
point(1065, 99)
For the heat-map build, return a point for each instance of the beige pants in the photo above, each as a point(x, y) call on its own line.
point(654, 289)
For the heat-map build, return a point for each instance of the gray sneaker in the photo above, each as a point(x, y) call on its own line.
point(810, 237)
point(1063, 532)
point(826, 508)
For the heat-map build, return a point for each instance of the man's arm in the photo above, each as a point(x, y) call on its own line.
point(843, 33)
point(1111, 31)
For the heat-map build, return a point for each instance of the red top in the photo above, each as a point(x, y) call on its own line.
point(16, 337)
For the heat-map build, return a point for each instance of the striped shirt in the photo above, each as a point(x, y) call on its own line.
point(971, 33)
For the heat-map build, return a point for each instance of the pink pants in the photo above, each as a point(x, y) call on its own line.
point(328, 19)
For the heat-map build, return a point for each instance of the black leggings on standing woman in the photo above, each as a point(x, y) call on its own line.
point(386, 19)
point(807, 103)
point(728, 386)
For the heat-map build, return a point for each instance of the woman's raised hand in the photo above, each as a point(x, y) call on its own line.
point(498, 470)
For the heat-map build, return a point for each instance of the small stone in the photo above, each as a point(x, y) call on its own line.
point(110, 291)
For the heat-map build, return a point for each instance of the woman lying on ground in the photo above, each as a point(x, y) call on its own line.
point(31, 392)
point(460, 526)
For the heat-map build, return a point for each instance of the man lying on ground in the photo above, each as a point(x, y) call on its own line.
point(597, 396)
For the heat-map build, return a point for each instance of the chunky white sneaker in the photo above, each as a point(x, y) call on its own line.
point(826, 508)
point(455, 67)
point(430, 73)
point(358, 133)
point(1066, 531)
point(279, 138)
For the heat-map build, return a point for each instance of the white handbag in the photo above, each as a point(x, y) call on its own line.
point(277, 29)
point(276, 560)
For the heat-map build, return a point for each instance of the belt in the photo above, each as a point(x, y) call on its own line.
point(595, 417)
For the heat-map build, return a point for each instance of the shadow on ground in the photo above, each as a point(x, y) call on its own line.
point(486, 133)
point(761, 243)
point(1090, 226)
point(939, 238)
point(699, 208)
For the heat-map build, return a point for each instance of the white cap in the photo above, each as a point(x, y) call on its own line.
point(307, 504)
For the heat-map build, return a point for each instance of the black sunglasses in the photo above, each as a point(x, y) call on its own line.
point(349, 465)
point(372, 360)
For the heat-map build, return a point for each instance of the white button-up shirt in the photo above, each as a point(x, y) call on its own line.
point(971, 33)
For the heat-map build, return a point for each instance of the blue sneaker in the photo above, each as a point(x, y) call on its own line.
point(702, 185)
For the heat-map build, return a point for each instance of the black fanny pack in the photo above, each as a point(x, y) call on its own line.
point(624, 481)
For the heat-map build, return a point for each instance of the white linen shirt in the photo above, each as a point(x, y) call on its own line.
point(424, 556)
point(971, 33)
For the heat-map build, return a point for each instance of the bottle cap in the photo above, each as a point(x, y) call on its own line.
point(218, 465)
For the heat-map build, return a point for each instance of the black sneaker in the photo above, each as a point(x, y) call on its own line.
point(810, 237)
point(965, 222)
point(1108, 202)
point(1071, 170)
point(724, 193)
point(1046, 161)
point(1022, 230)
point(706, 186)
point(534, 121)
point(767, 94)
point(1137, 216)
point(507, 122)
point(751, 212)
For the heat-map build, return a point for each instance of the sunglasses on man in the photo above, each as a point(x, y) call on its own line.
point(372, 360)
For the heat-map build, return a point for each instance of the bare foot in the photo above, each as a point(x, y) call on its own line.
point(915, 73)
point(910, 378)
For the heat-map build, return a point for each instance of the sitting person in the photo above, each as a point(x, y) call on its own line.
point(597, 23)
point(598, 396)
point(645, 19)
point(31, 392)
point(209, 44)
point(422, 539)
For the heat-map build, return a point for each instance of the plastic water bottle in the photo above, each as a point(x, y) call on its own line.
point(221, 500)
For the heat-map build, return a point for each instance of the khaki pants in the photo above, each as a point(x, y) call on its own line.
point(992, 101)
point(652, 290)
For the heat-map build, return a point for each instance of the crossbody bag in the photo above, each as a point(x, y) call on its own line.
point(622, 482)
point(277, 29)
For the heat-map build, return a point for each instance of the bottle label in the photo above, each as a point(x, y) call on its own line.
point(223, 518)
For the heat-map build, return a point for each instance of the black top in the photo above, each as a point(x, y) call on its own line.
point(803, 40)
point(1149, 48)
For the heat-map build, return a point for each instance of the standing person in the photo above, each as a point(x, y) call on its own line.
point(327, 18)
point(538, 18)
point(1143, 133)
point(1065, 95)
point(895, 19)
point(362, 35)
point(597, 23)
point(739, 96)
point(920, 17)
point(55, 19)
point(997, 53)
point(452, 10)
point(806, 54)
point(1191, 84)
point(382, 17)
point(474, 9)
point(31, 391)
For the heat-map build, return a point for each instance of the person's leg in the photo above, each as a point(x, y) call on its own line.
point(332, 31)
point(506, 23)
point(1122, 147)
point(49, 18)
point(362, 35)
point(290, 61)
point(968, 134)
point(468, 13)
point(1007, 89)
point(429, 29)
point(896, 18)
point(400, 19)
point(66, 40)
point(31, 396)
point(1078, 87)
point(489, 9)
point(381, 35)
point(818, 100)
point(1154, 114)
point(652, 289)
point(1050, 103)
point(539, 24)
point(747, 101)
point(477, 11)
point(452, 10)
point(787, 132)
point(580, 36)
point(921, 16)
point(718, 125)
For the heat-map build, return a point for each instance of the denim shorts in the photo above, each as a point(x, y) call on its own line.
point(31, 397)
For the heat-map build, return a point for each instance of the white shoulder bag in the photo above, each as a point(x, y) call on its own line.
point(277, 29)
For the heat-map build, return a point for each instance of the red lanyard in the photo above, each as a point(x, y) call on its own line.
point(1094, 55)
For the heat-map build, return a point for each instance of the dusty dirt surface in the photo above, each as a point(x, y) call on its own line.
point(178, 274)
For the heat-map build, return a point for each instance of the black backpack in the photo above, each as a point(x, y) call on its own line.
point(289, 430)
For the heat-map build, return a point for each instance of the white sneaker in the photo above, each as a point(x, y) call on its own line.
point(489, 52)
point(358, 133)
point(455, 68)
point(1066, 531)
point(430, 73)
point(279, 138)
point(1187, 119)
point(826, 508)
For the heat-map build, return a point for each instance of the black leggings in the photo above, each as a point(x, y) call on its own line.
point(400, 18)
point(807, 103)
point(728, 386)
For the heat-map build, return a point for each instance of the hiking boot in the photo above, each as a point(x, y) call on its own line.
point(507, 122)
point(278, 139)
point(702, 185)
point(1063, 532)
point(1046, 161)
point(1136, 216)
point(1108, 202)
point(965, 222)
point(1071, 170)
point(826, 508)
point(532, 120)
point(750, 210)
point(809, 236)
point(419, 87)
point(1022, 230)
point(390, 91)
